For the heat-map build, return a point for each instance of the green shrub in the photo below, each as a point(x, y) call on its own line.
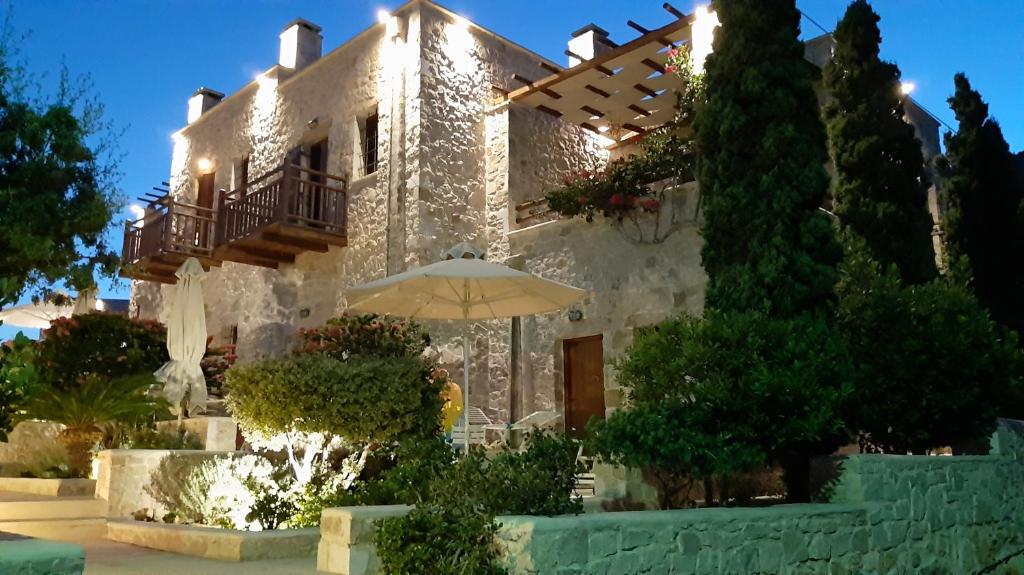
point(452, 539)
point(362, 399)
point(451, 531)
point(367, 335)
point(99, 344)
point(19, 379)
point(146, 437)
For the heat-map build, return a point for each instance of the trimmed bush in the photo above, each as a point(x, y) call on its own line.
point(362, 399)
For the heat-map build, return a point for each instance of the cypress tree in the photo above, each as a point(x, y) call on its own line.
point(762, 150)
point(984, 222)
point(769, 251)
point(881, 191)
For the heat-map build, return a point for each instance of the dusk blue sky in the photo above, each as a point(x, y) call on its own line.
point(146, 57)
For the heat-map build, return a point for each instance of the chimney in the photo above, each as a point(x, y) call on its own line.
point(301, 43)
point(587, 42)
point(202, 100)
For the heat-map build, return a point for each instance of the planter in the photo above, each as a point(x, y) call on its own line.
point(49, 487)
point(213, 543)
point(123, 475)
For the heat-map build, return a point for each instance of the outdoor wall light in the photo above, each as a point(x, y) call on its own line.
point(313, 123)
point(383, 16)
point(907, 87)
point(204, 165)
point(575, 314)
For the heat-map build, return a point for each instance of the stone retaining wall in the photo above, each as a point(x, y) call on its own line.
point(213, 543)
point(890, 514)
point(123, 475)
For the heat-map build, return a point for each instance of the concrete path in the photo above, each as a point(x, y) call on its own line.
point(104, 557)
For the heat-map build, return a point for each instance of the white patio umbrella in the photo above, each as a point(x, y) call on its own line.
point(34, 315)
point(186, 341)
point(463, 287)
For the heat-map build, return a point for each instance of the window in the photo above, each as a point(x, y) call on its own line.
point(242, 173)
point(368, 136)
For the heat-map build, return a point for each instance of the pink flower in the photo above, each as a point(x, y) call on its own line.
point(670, 69)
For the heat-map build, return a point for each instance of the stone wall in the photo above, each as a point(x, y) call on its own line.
point(123, 475)
point(630, 284)
point(31, 443)
point(890, 514)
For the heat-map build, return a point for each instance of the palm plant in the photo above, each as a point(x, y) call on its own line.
point(91, 408)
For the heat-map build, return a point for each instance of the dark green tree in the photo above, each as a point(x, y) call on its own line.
point(932, 368)
point(57, 184)
point(769, 248)
point(762, 153)
point(881, 189)
point(984, 222)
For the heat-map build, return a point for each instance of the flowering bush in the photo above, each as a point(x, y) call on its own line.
point(99, 344)
point(215, 364)
point(364, 335)
point(622, 189)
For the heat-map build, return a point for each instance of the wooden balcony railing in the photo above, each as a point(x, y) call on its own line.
point(288, 210)
point(289, 195)
point(173, 231)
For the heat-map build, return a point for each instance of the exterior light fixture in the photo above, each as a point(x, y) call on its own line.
point(602, 129)
point(383, 16)
point(575, 315)
point(204, 165)
point(313, 123)
point(907, 87)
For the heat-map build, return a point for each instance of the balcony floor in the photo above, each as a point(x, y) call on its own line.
point(278, 243)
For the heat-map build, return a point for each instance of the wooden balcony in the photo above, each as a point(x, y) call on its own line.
point(284, 212)
point(156, 245)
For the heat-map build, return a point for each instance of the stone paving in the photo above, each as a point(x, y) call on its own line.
point(104, 557)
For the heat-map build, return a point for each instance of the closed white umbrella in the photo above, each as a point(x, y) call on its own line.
point(463, 288)
point(186, 341)
point(85, 302)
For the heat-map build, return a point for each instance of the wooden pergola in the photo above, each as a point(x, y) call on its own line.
point(622, 93)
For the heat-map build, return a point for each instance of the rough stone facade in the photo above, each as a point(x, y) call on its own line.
point(454, 162)
point(123, 475)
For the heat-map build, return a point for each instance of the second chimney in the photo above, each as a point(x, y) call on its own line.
point(202, 100)
point(587, 42)
point(301, 44)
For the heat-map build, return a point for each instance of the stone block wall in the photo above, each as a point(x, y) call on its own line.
point(890, 514)
point(123, 475)
point(29, 443)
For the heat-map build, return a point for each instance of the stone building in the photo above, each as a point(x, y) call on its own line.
point(424, 131)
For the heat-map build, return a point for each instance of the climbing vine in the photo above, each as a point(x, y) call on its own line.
point(627, 190)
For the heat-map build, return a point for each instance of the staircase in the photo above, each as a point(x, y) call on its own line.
point(60, 518)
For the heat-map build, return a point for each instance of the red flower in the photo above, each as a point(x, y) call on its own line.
point(651, 205)
point(672, 52)
point(582, 200)
point(615, 200)
point(670, 69)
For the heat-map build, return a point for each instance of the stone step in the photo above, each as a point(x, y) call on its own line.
point(52, 508)
point(74, 529)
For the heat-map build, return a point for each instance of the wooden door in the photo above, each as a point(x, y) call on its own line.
point(584, 382)
point(204, 199)
point(317, 162)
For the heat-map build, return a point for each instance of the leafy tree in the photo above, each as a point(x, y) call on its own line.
point(985, 218)
point(932, 369)
point(881, 188)
point(57, 184)
point(762, 151)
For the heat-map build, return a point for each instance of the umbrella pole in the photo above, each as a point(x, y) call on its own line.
point(465, 380)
